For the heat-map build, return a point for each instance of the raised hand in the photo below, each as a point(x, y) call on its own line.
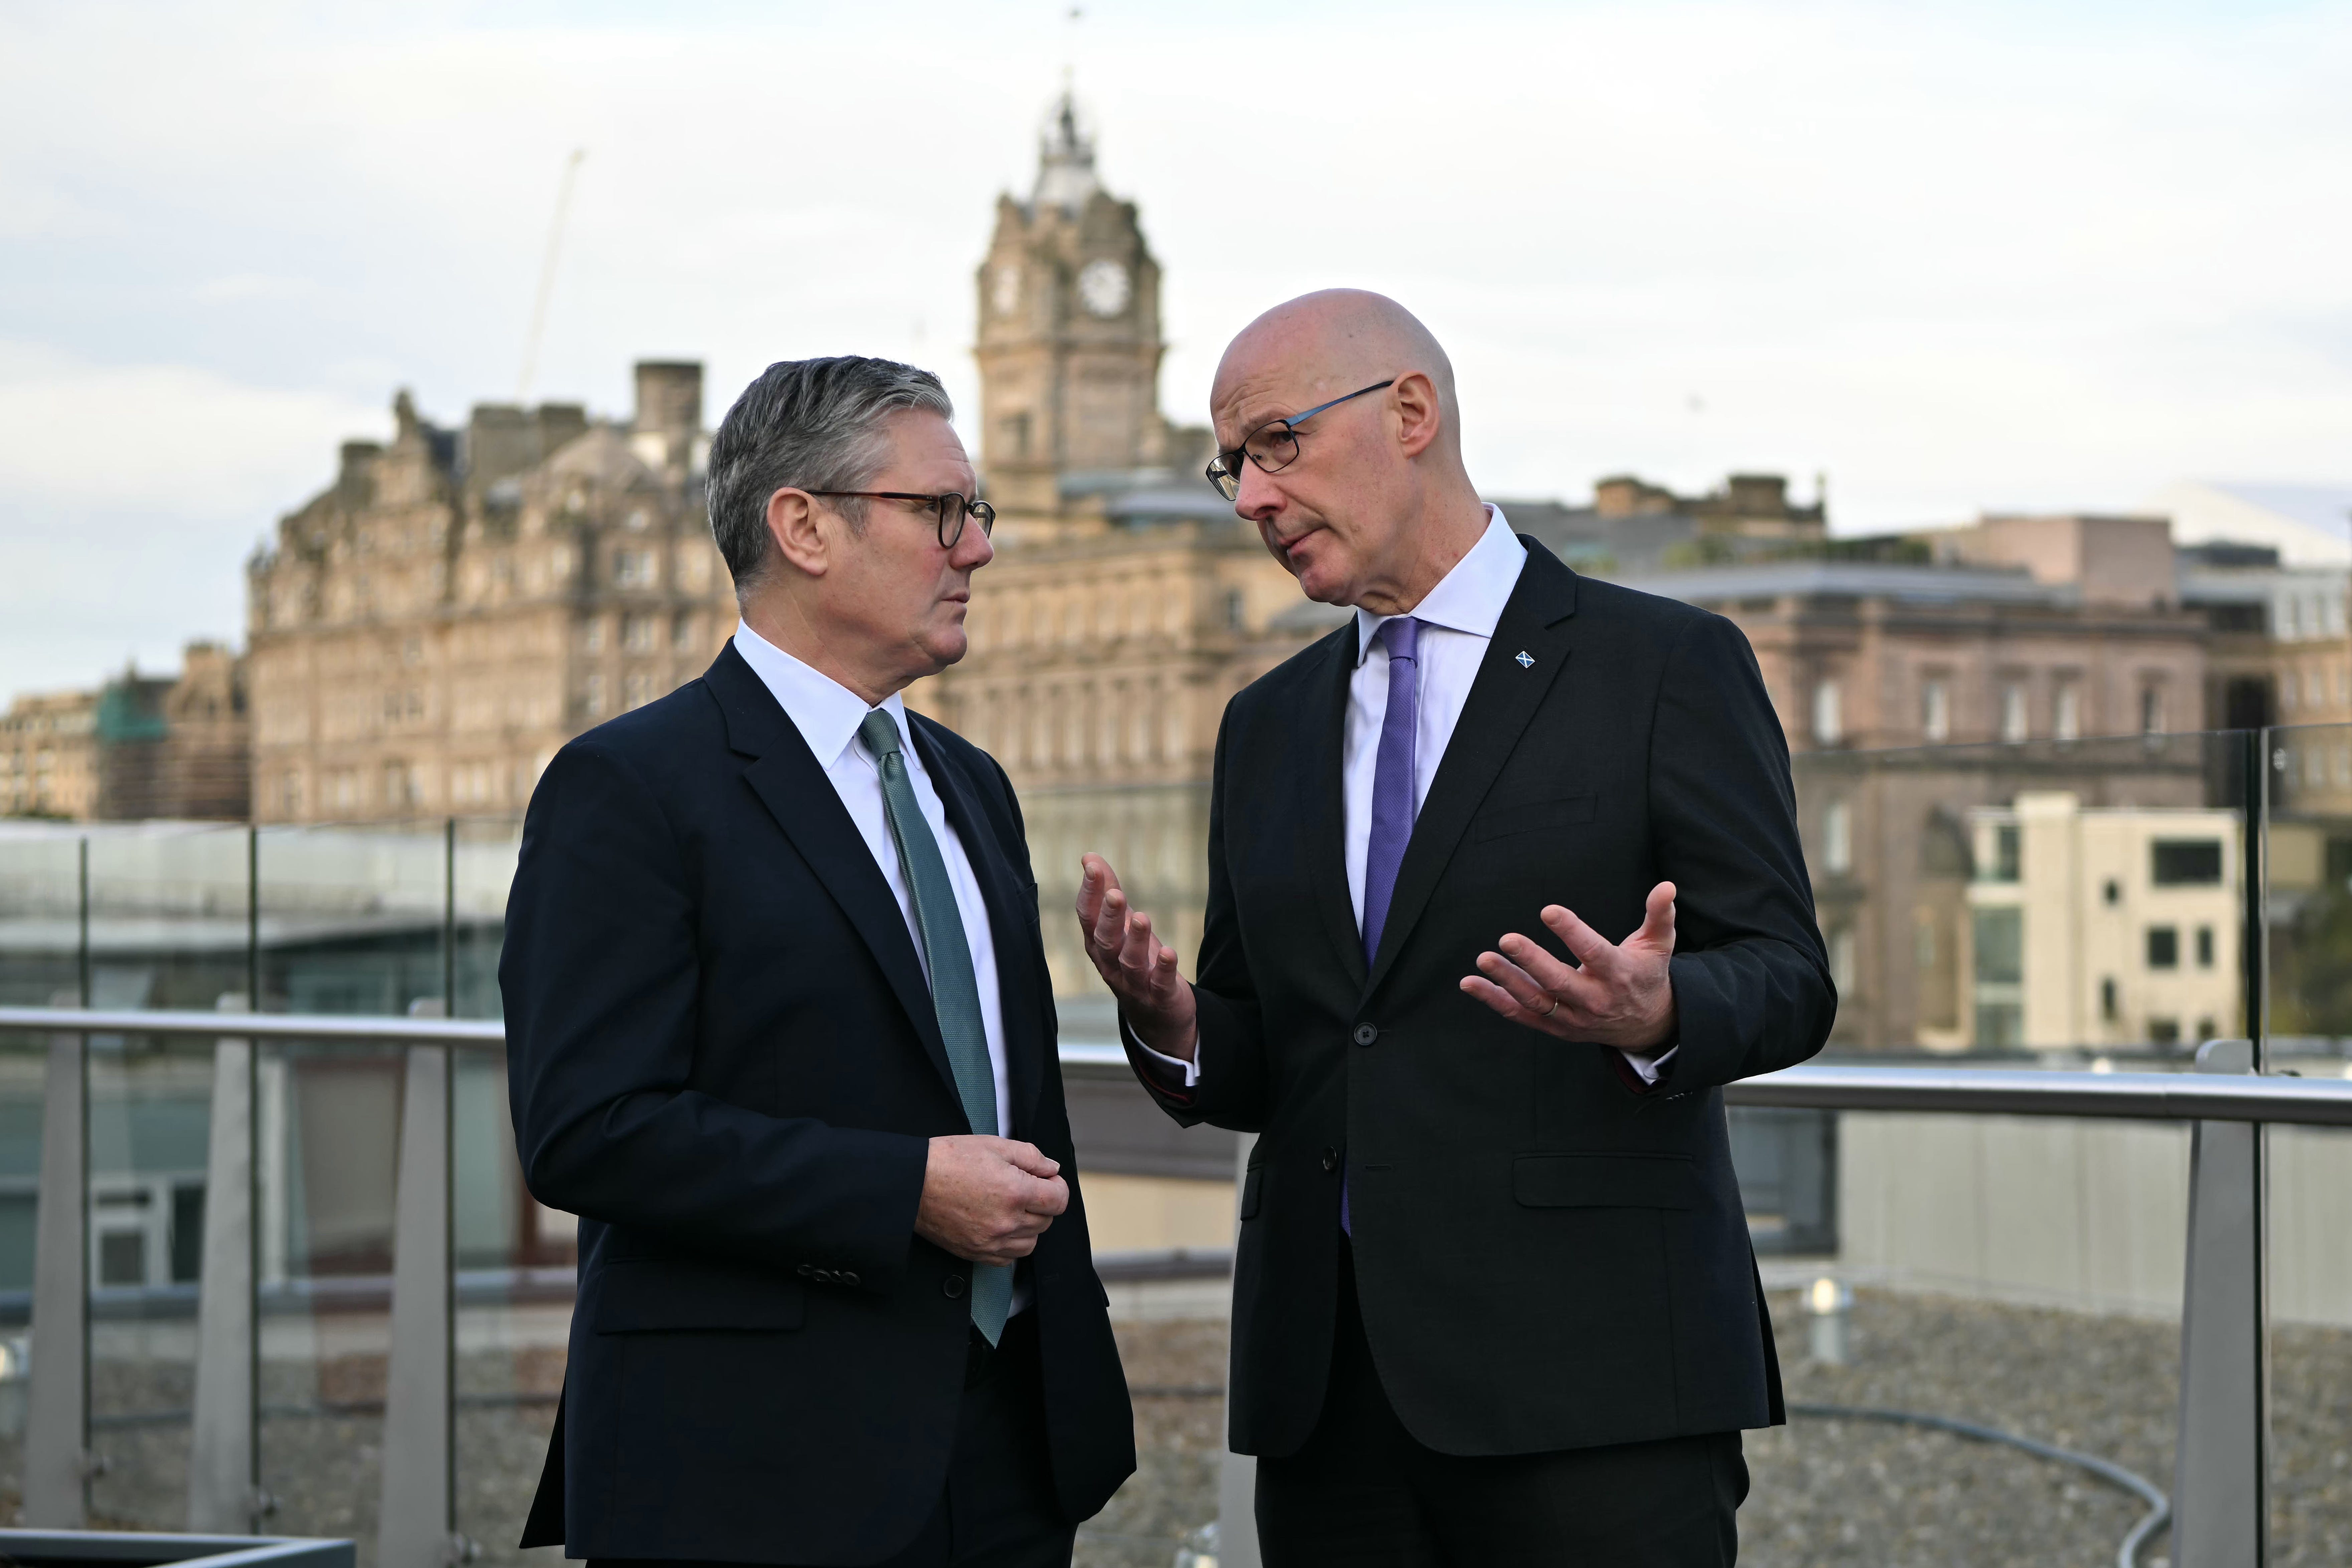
point(1620, 996)
point(1140, 970)
point(987, 1199)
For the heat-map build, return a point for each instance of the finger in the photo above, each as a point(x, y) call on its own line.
point(1110, 922)
point(1030, 1158)
point(1514, 982)
point(1500, 1000)
point(1051, 1198)
point(1164, 978)
point(1658, 919)
point(1589, 945)
point(1546, 970)
point(1094, 881)
point(1139, 952)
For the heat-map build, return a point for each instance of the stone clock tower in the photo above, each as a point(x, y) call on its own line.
point(1069, 343)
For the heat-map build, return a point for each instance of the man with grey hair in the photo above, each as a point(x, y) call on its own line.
point(780, 1031)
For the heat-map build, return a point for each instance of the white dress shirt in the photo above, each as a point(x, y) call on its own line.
point(1458, 618)
point(827, 714)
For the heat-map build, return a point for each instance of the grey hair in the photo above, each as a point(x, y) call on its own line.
point(813, 424)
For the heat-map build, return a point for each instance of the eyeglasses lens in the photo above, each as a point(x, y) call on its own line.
point(1274, 449)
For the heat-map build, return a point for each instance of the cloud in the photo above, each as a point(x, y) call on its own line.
point(171, 437)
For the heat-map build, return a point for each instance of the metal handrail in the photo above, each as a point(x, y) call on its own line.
point(1959, 1091)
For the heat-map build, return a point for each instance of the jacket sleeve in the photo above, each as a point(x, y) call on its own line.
point(1752, 983)
point(1232, 1088)
point(601, 980)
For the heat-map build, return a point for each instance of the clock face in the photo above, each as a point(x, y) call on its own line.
point(1103, 288)
point(1005, 290)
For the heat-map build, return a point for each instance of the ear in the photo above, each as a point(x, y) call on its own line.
point(800, 532)
point(1420, 415)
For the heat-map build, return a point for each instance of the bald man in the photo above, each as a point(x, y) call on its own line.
point(1503, 886)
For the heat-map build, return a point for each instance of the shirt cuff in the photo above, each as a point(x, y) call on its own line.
point(1650, 1067)
point(1191, 1070)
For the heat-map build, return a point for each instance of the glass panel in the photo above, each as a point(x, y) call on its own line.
point(40, 914)
point(2073, 899)
point(352, 918)
point(23, 1076)
point(2308, 917)
point(328, 1121)
point(2022, 1275)
point(2310, 1176)
point(167, 929)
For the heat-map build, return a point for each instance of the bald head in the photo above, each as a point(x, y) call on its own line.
point(1363, 497)
point(1327, 344)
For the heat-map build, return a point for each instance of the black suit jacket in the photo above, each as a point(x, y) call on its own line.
point(724, 1058)
point(1547, 1255)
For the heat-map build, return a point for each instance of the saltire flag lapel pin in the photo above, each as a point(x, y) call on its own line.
point(1526, 660)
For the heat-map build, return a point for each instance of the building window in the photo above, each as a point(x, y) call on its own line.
point(2185, 862)
point(592, 636)
point(1236, 609)
point(1842, 960)
point(289, 794)
point(2151, 709)
point(2006, 856)
point(1999, 942)
point(2163, 1031)
point(633, 569)
point(2204, 947)
point(2113, 892)
point(1829, 715)
point(398, 789)
point(637, 633)
point(2107, 1007)
point(2014, 725)
point(593, 699)
point(1837, 839)
point(1936, 709)
point(2067, 711)
point(2163, 947)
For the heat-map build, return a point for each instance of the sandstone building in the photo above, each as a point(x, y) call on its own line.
point(141, 746)
point(428, 629)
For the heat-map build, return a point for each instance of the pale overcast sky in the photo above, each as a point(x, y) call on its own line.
point(1956, 257)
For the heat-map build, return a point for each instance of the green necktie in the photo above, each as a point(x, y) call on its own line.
point(955, 994)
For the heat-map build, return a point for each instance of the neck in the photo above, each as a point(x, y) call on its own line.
point(785, 622)
point(1437, 544)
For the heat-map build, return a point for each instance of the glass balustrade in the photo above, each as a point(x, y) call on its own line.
point(1978, 1317)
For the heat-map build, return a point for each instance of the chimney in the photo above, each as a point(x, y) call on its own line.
point(669, 406)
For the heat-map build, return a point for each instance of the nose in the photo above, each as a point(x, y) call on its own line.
point(1259, 498)
point(973, 551)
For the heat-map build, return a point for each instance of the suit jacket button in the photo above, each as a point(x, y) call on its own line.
point(1366, 1034)
point(952, 1286)
point(849, 1276)
point(1330, 1159)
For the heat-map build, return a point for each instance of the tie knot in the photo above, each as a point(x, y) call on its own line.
point(1402, 635)
point(880, 734)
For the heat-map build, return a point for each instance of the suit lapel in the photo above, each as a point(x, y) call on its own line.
point(1008, 925)
point(784, 774)
point(1503, 699)
point(1323, 811)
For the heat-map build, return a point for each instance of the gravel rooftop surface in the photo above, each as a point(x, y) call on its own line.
point(1827, 1492)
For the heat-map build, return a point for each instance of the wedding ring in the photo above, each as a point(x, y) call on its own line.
point(1553, 1008)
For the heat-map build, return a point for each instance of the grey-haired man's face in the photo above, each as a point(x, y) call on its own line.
point(897, 590)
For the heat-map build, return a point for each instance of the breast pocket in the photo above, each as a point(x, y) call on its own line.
point(1533, 816)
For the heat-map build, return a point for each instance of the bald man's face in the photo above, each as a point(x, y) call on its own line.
point(1334, 516)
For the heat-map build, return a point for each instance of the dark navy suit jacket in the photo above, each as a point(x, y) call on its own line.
point(1548, 1255)
point(724, 1058)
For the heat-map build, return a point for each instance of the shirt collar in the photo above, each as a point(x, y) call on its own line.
point(1470, 597)
point(825, 711)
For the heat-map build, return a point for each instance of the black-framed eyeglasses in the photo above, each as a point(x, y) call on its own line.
point(1273, 445)
point(950, 508)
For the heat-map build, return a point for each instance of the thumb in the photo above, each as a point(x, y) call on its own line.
point(1658, 918)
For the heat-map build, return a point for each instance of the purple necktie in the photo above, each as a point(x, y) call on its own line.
point(1392, 806)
